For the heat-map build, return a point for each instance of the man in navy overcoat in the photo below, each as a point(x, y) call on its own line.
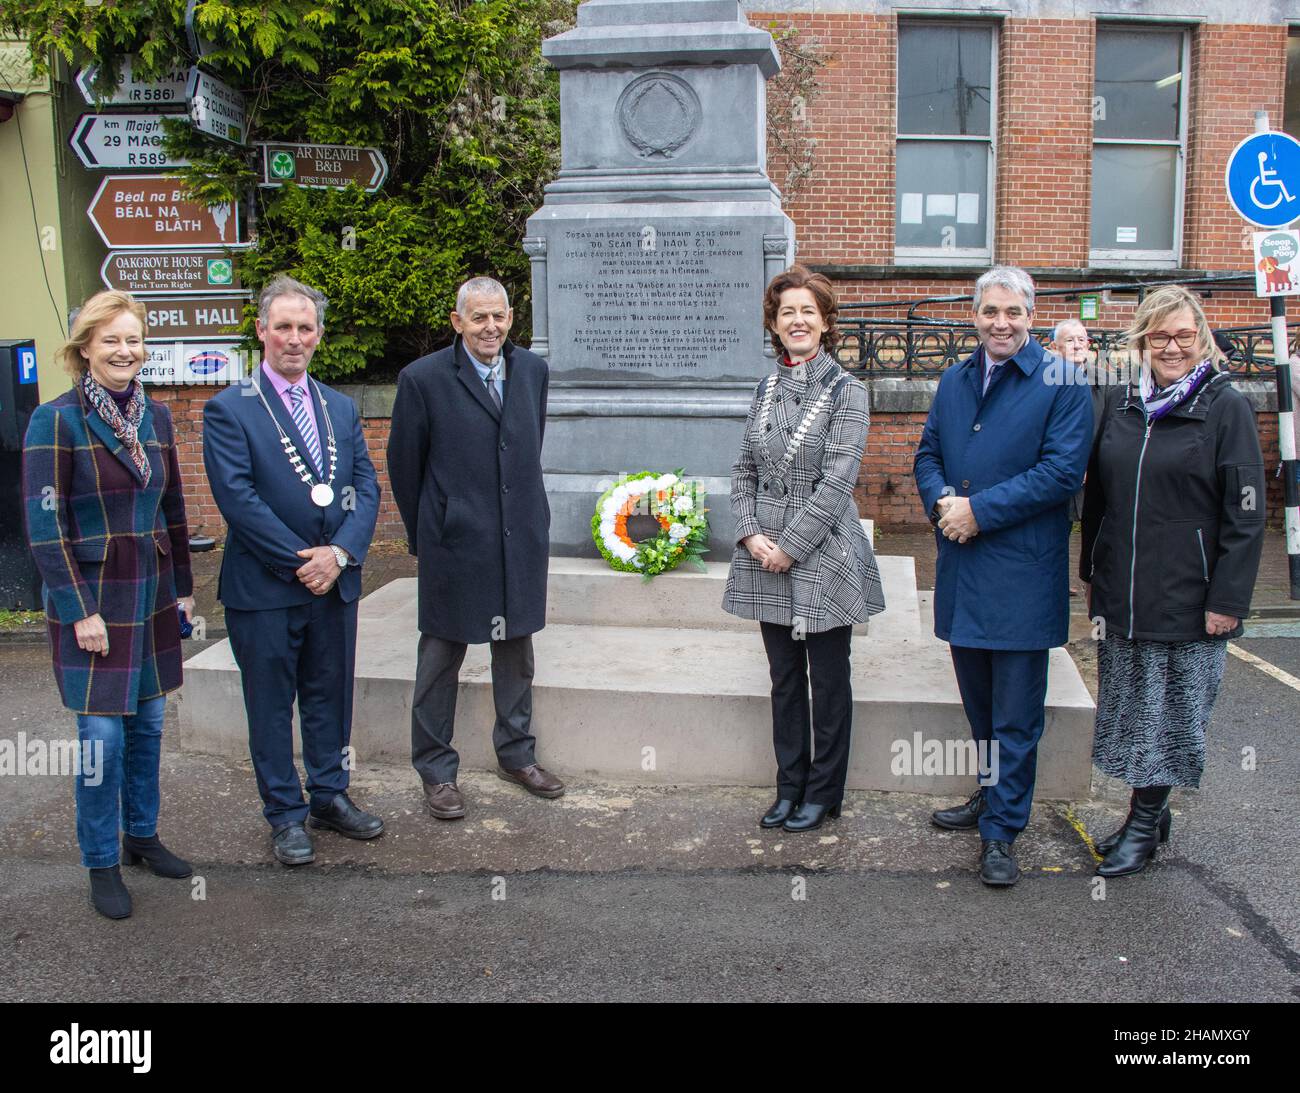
point(465, 463)
point(289, 470)
point(1004, 449)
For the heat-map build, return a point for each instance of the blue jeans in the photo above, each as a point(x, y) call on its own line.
point(123, 782)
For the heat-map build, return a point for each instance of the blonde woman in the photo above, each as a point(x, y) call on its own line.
point(106, 525)
point(1173, 527)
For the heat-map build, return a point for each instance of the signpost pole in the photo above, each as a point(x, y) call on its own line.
point(1285, 420)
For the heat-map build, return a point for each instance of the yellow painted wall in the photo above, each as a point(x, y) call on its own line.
point(33, 294)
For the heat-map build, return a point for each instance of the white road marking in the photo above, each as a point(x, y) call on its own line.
point(1264, 666)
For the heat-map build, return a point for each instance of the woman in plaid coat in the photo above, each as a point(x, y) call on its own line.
point(106, 525)
point(802, 565)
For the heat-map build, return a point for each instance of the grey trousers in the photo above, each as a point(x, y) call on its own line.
point(433, 710)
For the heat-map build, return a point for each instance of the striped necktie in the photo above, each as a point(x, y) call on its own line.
point(303, 420)
point(491, 382)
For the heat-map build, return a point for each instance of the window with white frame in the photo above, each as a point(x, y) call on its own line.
point(943, 207)
point(1139, 122)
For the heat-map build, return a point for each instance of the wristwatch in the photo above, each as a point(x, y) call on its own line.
point(340, 556)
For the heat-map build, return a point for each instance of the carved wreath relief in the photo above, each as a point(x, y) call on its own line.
point(658, 113)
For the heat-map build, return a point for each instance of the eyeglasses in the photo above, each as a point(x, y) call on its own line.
point(1185, 339)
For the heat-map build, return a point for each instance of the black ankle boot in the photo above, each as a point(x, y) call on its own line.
point(161, 860)
point(109, 894)
point(1141, 835)
point(808, 817)
point(1106, 845)
point(778, 813)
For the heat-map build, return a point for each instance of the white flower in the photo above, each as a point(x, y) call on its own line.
point(637, 488)
point(683, 504)
point(637, 562)
point(677, 532)
point(666, 480)
point(607, 529)
point(618, 498)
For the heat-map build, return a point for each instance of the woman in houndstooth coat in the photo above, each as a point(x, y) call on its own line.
point(802, 565)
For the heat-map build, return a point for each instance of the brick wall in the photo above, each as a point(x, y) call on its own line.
point(885, 490)
point(1044, 142)
point(1236, 70)
point(846, 213)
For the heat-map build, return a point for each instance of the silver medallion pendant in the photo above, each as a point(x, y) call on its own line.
point(322, 494)
point(777, 487)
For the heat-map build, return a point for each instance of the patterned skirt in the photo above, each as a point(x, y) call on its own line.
point(1154, 703)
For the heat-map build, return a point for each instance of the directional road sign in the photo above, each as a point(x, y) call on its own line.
point(1263, 179)
point(193, 318)
point(322, 166)
point(216, 108)
point(152, 211)
point(133, 91)
point(108, 141)
point(158, 272)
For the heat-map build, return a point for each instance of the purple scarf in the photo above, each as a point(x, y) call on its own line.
point(1158, 403)
point(125, 426)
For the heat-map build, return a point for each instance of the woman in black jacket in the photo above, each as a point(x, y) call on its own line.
point(1173, 527)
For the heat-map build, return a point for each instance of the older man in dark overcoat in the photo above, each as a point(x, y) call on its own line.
point(465, 463)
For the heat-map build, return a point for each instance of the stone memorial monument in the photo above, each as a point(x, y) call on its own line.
point(651, 252)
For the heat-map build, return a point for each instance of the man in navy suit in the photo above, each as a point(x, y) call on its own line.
point(1004, 449)
point(289, 469)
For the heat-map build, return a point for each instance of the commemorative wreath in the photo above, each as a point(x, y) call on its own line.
point(675, 504)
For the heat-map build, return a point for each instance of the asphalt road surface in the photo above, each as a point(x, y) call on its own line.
point(618, 893)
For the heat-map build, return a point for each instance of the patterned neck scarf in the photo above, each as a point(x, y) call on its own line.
point(126, 427)
point(1158, 403)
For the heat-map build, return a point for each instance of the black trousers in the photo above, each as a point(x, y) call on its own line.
point(306, 652)
point(812, 753)
point(433, 707)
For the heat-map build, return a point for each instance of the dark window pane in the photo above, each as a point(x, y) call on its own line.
point(944, 79)
point(1291, 114)
point(1133, 197)
point(1139, 84)
point(942, 194)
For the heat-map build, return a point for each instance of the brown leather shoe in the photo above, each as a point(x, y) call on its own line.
point(444, 801)
point(539, 782)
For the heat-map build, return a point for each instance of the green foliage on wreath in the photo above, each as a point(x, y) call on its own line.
point(663, 552)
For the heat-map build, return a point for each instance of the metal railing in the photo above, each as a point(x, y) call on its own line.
point(916, 345)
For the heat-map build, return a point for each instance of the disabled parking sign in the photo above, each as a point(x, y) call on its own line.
point(1263, 179)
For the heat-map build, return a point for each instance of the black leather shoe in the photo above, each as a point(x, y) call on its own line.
point(343, 816)
point(961, 817)
point(1106, 845)
point(161, 860)
point(109, 894)
point(778, 813)
point(809, 817)
point(998, 867)
point(1141, 834)
point(292, 845)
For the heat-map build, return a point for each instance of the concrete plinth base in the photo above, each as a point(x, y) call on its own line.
point(654, 684)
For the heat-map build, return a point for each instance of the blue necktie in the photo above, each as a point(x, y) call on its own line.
point(303, 420)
